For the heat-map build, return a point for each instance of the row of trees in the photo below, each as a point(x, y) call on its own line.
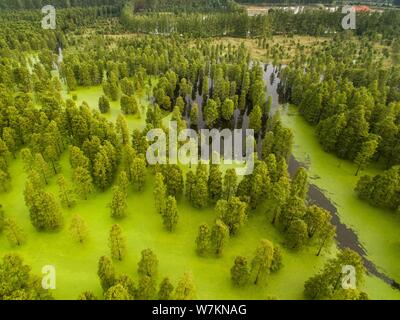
point(382, 190)
point(353, 105)
point(267, 258)
point(123, 287)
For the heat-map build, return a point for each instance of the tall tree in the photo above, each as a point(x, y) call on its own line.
point(117, 242)
point(78, 229)
point(148, 265)
point(219, 237)
point(14, 233)
point(170, 216)
point(261, 263)
point(106, 273)
point(166, 290)
point(66, 194)
point(185, 289)
point(240, 273)
point(203, 240)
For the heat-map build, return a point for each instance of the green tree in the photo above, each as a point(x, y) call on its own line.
point(104, 104)
point(17, 282)
point(215, 183)
point(44, 211)
point(297, 234)
point(146, 289)
point(232, 213)
point(256, 119)
point(66, 194)
point(14, 233)
point(78, 229)
point(117, 292)
point(170, 216)
point(139, 172)
point(118, 203)
point(166, 290)
point(261, 263)
point(203, 240)
point(368, 149)
point(230, 184)
point(185, 289)
point(148, 265)
point(227, 109)
point(83, 182)
point(240, 273)
point(87, 295)
point(219, 237)
point(117, 242)
point(159, 193)
point(106, 273)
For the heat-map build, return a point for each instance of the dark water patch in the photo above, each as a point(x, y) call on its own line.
point(345, 236)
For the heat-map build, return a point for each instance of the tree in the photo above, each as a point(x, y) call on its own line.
point(326, 284)
point(77, 158)
point(300, 183)
point(256, 119)
point(118, 203)
point(146, 289)
point(117, 292)
point(194, 115)
point(65, 193)
point(230, 184)
point(78, 229)
point(44, 211)
point(211, 113)
point(170, 216)
point(227, 109)
point(203, 240)
point(87, 295)
point(297, 234)
point(215, 183)
point(17, 282)
point(173, 179)
point(83, 182)
point(277, 260)
point(148, 264)
point(199, 194)
point(219, 237)
point(104, 104)
point(42, 168)
point(159, 193)
point(139, 172)
point(9, 140)
point(261, 263)
point(27, 159)
point(106, 273)
point(368, 149)
point(185, 289)
point(240, 273)
point(127, 282)
point(122, 129)
point(232, 213)
point(166, 290)
point(129, 105)
point(14, 233)
point(117, 242)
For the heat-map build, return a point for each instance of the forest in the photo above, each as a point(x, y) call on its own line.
point(77, 189)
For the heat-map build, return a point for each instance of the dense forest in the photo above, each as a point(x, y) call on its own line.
point(145, 63)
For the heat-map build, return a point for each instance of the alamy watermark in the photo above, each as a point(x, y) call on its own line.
point(49, 277)
point(349, 277)
point(49, 20)
point(189, 147)
point(349, 20)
